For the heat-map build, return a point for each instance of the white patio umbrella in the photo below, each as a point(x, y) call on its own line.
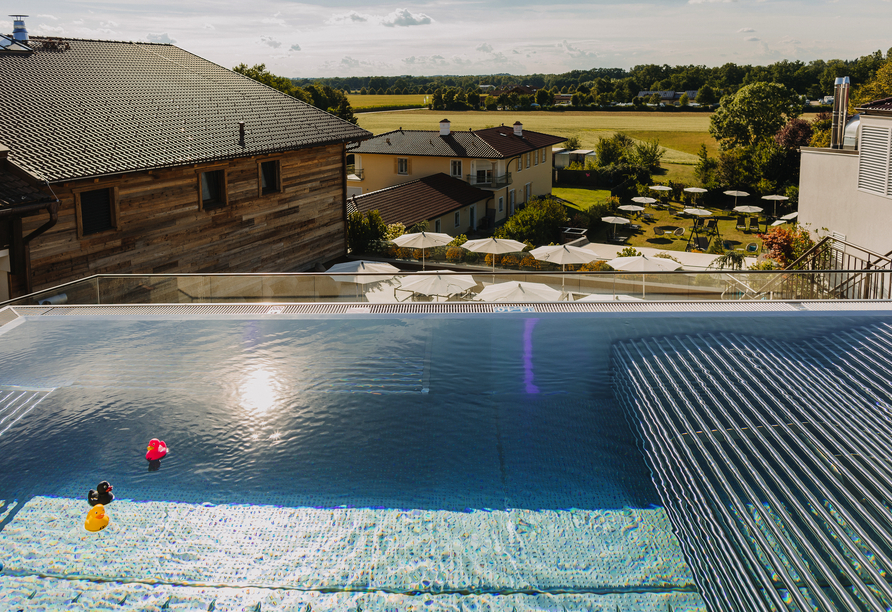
point(644, 200)
point(747, 209)
point(422, 240)
point(631, 208)
point(642, 263)
point(660, 188)
point(775, 199)
point(563, 254)
point(700, 212)
point(615, 221)
point(696, 190)
point(360, 272)
point(494, 246)
point(437, 282)
point(736, 194)
point(517, 291)
point(790, 216)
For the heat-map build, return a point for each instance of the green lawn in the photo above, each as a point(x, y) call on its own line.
point(645, 237)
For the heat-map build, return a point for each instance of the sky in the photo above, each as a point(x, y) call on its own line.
point(325, 38)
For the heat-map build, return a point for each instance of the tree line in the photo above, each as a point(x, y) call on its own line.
point(812, 79)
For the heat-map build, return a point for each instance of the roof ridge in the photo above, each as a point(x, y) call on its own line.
point(117, 42)
point(362, 195)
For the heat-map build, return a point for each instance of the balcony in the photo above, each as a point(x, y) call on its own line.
point(488, 180)
point(354, 173)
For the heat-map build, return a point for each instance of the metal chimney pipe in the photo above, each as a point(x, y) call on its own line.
point(840, 112)
point(241, 133)
point(18, 28)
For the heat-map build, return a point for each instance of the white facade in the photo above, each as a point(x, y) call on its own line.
point(849, 193)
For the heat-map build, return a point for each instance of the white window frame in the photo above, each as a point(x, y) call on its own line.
point(519, 164)
point(402, 165)
point(544, 156)
point(457, 218)
point(452, 166)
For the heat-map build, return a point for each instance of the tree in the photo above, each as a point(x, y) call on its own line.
point(539, 222)
point(820, 130)
point(365, 233)
point(787, 245)
point(573, 142)
point(756, 112)
point(684, 100)
point(259, 73)
point(706, 96)
point(544, 97)
point(655, 98)
point(491, 103)
point(797, 133)
point(877, 88)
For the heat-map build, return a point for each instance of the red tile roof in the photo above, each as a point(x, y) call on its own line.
point(415, 201)
point(884, 105)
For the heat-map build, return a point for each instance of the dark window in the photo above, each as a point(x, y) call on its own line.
point(269, 177)
point(212, 189)
point(96, 213)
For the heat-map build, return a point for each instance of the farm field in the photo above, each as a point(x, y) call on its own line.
point(681, 134)
point(358, 101)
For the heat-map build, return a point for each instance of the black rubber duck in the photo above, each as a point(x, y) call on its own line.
point(102, 495)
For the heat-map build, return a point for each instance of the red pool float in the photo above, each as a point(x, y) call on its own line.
point(157, 449)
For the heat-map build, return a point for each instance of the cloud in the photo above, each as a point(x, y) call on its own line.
point(516, 52)
point(294, 47)
point(270, 42)
point(574, 51)
point(485, 48)
point(108, 24)
point(160, 38)
point(53, 17)
point(751, 39)
point(425, 60)
point(274, 21)
point(208, 26)
point(48, 30)
point(461, 61)
point(404, 18)
point(351, 17)
point(744, 30)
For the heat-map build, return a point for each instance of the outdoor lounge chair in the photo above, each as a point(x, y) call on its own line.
point(648, 216)
point(679, 232)
point(754, 224)
point(711, 226)
point(752, 247)
point(741, 223)
point(702, 242)
point(658, 231)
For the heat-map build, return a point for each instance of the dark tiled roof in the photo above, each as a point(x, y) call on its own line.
point(505, 142)
point(99, 107)
point(884, 105)
point(15, 191)
point(491, 143)
point(426, 198)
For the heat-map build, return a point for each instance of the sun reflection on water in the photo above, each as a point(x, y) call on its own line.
point(260, 391)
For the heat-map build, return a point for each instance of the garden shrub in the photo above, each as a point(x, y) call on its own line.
point(455, 254)
point(529, 263)
point(509, 261)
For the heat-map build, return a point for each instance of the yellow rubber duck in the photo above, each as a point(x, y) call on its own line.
point(97, 519)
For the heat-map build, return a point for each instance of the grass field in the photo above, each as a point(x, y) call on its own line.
point(727, 223)
point(681, 134)
point(358, 101)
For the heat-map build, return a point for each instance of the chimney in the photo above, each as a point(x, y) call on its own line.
point(518, 129)
point(241, 133)
point(840, 110)
point(444, 127)
point(18, 28)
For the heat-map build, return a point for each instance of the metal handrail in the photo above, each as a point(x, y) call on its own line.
point(495, 182)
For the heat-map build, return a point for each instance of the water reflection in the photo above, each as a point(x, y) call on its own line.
point(259, 391)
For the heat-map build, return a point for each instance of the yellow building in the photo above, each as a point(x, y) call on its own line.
point(512, 164)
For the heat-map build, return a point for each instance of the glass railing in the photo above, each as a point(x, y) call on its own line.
point(486, 286)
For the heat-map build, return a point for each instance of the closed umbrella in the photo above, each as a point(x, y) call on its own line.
point(642, 263)
point(775, 199)
point(422, 240)
point(517, 291)
point(615, 221)
point(563, 254)
point(438, 282)
point(494, 246)
point(362, 272)
point(736, 194)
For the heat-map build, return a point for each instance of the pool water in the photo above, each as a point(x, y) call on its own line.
point(416, 457)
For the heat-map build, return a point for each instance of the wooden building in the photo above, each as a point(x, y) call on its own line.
point(144, 158)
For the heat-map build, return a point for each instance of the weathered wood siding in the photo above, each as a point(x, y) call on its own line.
point(162, 228)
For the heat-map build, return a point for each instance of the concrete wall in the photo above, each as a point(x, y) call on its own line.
point(829, 198)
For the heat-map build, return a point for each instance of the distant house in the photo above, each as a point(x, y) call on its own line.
point(449, 205)
point(520, 90)
point(562, 98)
point(134, 157)
point(511, 163)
